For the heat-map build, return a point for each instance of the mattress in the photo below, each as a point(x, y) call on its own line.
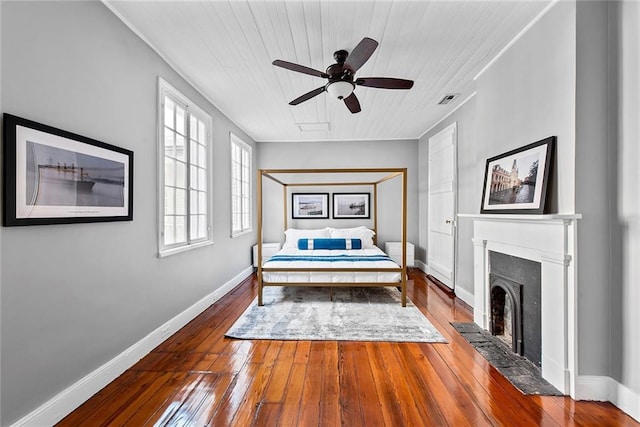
point(369, 258)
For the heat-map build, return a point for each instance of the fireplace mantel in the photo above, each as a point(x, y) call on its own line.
point(551, 241)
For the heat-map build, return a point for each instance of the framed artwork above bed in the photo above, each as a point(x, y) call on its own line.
point(310, 205)
point(351, 205)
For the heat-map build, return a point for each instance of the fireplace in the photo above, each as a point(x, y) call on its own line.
point(548, 242)
point(506, 312)
point(514, 304)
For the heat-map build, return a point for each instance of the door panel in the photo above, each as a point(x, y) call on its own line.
point(442, 206)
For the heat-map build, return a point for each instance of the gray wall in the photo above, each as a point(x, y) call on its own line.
point(75, 296)
point(624, 176)
point(346, 154)
point(594, 141)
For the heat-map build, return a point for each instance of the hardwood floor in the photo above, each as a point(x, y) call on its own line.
point(199, 378)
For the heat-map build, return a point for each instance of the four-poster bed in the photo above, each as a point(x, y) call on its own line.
point(368, 266)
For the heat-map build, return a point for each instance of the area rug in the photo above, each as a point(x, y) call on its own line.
point(355, 314)
point(520, 372)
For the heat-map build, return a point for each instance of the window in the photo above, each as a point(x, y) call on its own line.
point(240, 186)
point(185, 132)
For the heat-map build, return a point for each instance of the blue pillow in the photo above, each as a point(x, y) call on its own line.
point(308, 244)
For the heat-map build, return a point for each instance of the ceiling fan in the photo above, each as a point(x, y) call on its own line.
point(341, 76)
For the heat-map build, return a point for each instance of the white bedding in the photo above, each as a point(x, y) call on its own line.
point(368, 258)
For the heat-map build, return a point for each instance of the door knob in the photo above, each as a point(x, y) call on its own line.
point(447, 221)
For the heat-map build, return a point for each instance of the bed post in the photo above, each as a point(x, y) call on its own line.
point(259, 196)
point(375, 213)
point(404, 237)
point(284, 198)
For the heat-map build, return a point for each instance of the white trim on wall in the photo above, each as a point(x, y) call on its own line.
point(464, 295)
point(603, 389)
point(56, 408)
point(516, 38)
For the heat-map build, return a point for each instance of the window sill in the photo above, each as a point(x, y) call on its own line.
point(241, 233)
point(173, 251)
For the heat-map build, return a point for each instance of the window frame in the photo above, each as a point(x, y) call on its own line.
point(191, 109)
point(235, 140)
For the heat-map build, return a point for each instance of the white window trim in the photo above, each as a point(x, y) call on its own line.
point(234, 139)
point(165, 87)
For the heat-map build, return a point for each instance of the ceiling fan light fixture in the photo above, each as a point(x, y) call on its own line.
point(340, 89)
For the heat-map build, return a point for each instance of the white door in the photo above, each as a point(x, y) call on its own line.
point(442, 206)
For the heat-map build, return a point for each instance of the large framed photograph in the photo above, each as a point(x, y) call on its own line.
point(310, 205)
point(351, 205)
point(517, 181)
point(52, 176)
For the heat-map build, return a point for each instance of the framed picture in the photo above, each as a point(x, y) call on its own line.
point(52, 176)
point(351, 205)
point(310, 205)
point(517, 181)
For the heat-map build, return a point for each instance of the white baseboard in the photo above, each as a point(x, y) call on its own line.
point(73, 396)
point(461, 293)
point(606, 389)
point(464, 295)
point(421, 265)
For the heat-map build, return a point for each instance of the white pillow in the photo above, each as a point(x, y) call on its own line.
point(362, 233)
point(292, 235)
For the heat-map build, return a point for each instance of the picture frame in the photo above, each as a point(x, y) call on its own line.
point(516, 182)
point(310, 205)
point(351, 205)
point(52, 176)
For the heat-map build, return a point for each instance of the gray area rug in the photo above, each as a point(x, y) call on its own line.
point(520, 372)
point(355, 314)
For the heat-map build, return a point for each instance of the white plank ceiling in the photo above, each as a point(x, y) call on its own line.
point(225, 49)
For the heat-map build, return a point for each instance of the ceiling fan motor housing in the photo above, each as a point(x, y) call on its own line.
point(340, 72)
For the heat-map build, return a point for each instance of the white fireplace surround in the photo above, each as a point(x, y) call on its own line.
point(551, 241)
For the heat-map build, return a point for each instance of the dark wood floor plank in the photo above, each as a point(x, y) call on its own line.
point(309, 413)
point(136, 405)
point(172, 408)
point(278, 381)
point(198, 377)
point(267, 414)
point(254, 378)
point(450, 399)
point(330, 398)
point(293, 395)
point(350, 408)
point(367, 390)
point(398, 379)
point(422, 393)
point(390, 400)
point(79, 416)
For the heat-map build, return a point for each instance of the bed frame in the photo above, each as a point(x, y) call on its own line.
point(284, 176)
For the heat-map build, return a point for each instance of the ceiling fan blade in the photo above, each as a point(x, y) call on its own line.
point(384, 82)
point(299, 68)
point(307, 96)
point(352, 103)
point(361, 53)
